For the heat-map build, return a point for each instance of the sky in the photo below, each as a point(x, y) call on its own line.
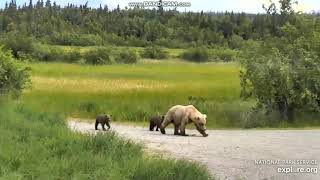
point(248, 6)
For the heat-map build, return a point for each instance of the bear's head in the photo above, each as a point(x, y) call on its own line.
point(108, 117)
point(200, 123)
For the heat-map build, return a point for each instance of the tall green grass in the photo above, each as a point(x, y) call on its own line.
point(38, 145)
point(135, 92)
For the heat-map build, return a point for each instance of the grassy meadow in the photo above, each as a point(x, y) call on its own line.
point(135, 92)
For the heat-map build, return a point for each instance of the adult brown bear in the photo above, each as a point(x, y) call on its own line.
point(180, 116)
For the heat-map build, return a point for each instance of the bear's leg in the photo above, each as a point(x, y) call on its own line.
point(158, 124)
point(176, 129)
point(108, 125)
point(151, 127)
point(103, 128)
point(96, 125)
point(183, 129)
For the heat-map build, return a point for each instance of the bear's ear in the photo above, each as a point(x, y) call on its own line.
point(205, 116)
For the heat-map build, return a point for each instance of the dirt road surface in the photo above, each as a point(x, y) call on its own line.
point(232, 154)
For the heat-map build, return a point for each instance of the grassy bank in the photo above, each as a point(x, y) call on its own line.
point(38, 145)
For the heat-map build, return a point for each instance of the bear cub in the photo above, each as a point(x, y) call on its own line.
point(155, 121)
point(103, 119)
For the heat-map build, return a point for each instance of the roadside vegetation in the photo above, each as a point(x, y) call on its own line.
point(36, 144)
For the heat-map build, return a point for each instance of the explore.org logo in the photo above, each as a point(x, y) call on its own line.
point(290, 165)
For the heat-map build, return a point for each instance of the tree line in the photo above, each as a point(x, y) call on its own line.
point(82, 25)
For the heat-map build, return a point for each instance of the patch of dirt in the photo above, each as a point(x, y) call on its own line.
point(229, 154)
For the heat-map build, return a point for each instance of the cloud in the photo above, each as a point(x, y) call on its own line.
point(303, 7)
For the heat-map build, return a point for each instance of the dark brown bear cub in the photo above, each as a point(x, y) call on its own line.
point(155, 121)
point(103, 120)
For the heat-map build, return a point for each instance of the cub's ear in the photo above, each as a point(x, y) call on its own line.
point(205, 116)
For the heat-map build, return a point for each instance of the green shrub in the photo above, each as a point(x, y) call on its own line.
point(114, 39)
point(13, 77)
point(73, 39)
point(46, 53)
point(252, 119)
point(154, 52)
point(97, 56)
point(196, 55)
point(235, 42)
point(54, 54)
point(72, 56)
point(171, 43)
point(127, 57)
point(136, 42)
point(222, 54)
point(283, 81)
point(51, 53)
point(19, 44)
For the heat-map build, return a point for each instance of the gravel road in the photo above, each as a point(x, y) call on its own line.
point(231, 154)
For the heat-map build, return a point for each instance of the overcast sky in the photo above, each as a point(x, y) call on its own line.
point(250, 6)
